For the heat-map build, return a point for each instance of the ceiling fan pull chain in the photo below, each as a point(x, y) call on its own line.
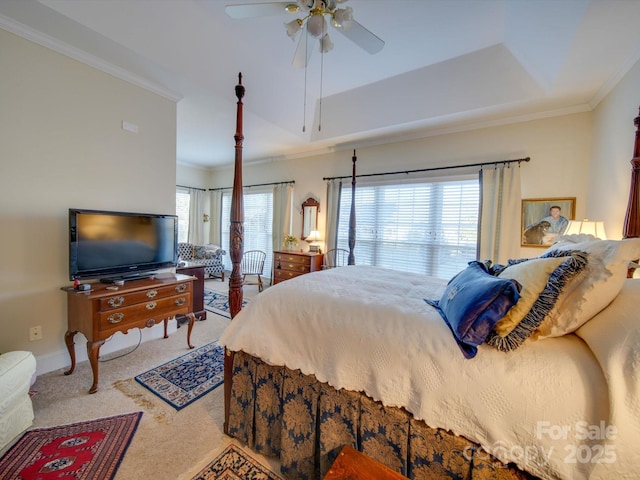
point(320, 103)
point(306, 64)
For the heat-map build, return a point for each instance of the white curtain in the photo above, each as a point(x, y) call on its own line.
point(196, 213)
point(215, 217)
point(500, 203)
point(334, 187)
point(282, 197)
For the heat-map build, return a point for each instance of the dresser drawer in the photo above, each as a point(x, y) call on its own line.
point(293, 267)
point(291, 259)
point(128, 299)
point(282, 275)
point(156, 309)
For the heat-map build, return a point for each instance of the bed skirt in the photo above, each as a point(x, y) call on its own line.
point(282, 413)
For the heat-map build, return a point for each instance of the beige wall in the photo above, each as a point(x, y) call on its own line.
point(559, 148)
point(196, 177)
point(62, 146)
point(613, 141)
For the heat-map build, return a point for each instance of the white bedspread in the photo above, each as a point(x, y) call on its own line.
point(367, 329)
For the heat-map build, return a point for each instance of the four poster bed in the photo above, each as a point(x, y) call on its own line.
point(353, 356)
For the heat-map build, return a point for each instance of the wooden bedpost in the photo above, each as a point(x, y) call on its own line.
point(631, 227)
point(236, 247)
point(352, 213)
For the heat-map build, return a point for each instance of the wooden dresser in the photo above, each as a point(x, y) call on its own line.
point(288, 264)
point(107, 309)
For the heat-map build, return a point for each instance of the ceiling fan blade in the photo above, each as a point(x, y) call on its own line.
point(304, 49)
point(249, 10)
point(362, 37)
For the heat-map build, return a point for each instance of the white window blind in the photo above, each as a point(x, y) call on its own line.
point(182, 210)
point(429, 227)
point(258, 221)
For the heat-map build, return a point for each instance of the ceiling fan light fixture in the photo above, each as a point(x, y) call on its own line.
point(292, 8)
point(316, 25)
point(326, 45)
point(293, 27)
point(342, 18)
point(306, 5)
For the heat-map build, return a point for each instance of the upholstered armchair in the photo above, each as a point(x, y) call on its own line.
point(208, 255)
point(17, 374)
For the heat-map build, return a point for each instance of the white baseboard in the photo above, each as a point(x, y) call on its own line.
point(60, 359)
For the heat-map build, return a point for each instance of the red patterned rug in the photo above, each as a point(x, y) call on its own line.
point(84, 451)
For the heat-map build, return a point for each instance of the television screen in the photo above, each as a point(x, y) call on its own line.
point(118, 244)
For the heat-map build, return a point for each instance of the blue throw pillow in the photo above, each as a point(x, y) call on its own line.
point(472, 304)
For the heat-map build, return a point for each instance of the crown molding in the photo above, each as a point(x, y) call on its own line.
point(63, 48)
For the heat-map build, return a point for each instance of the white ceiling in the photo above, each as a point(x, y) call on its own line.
point(446, 65)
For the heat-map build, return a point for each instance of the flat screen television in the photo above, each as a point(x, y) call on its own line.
point(120, 245)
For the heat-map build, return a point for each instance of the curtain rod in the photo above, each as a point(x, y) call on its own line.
point(288, 182)
point(406, 172)
point(192, 188)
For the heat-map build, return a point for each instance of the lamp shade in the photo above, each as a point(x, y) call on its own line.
point(293, 27)
point(314, 236)
point(326, 45)
point(590, 227)
point(316, 25)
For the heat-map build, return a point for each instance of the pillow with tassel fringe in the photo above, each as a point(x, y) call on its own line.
point(600, 283)
point(543, 280)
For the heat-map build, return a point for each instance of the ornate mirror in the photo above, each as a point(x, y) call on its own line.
point(310, 209)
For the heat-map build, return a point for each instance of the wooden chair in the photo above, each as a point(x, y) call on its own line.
point(253, 264)
point(336, 257)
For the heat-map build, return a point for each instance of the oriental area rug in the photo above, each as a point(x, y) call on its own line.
point(80, 451)
point(218, 303)
point(235, 464)
point(183, 380)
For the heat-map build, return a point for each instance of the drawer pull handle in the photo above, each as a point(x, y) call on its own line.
point(116, 301)
point(151, 305)
point(181, 301)
point(115, 317)
point(152, 293)
point(151, 322)
point(181, 288)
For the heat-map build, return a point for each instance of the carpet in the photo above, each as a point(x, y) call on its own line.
point(218, 303)
point(235, 464)
point(80, 451)
point(185, 379)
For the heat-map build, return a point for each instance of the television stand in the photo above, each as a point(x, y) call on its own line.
point(105, 310)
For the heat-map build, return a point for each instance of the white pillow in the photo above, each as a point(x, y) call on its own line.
point(603, 280)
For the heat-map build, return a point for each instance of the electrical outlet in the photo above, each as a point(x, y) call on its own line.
point(35, 333)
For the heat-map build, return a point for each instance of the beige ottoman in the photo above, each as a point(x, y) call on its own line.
point(16, 411)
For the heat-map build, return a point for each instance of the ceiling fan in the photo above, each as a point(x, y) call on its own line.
point(314, 22)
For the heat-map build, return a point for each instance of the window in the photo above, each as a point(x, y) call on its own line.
point(258, 221)
point(182, 210)
point(429, 227)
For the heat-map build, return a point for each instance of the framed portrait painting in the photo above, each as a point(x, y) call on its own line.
point(544, 219)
